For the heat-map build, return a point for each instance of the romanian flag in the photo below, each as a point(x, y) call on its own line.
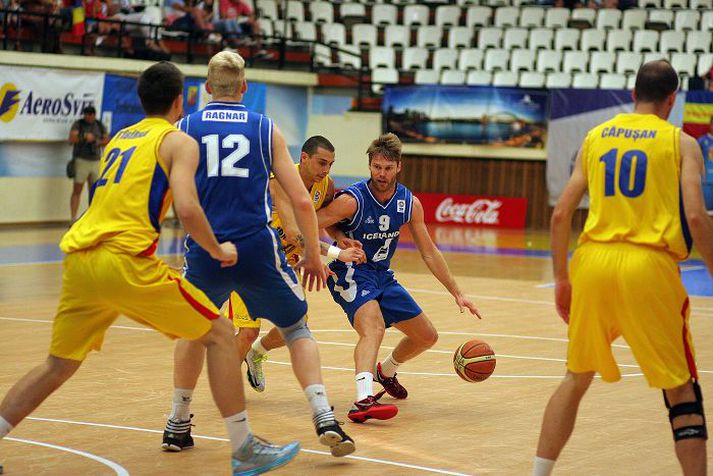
point(697, 112)
point(78, 18)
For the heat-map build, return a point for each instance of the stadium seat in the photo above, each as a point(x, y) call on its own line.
point(479, 78)
point(382, 57)
point(705, 63)
point(478, 15)
point(384, 14)
point(460, 37)
point(334, 34)
point(592, 40)
point(452, 77)
point(304, 30)
point(352, 10)
point(684, 63)
point(650, 3)
point(634, 19)
point(698, 42)
point(496, 59)
point(322, 55)
point(549, 60)
point(429, 36)
point(384, 76)
point(707, 20)
point(558, 80)
point(540, 38)
point(612, 81)
point(397, 35)
point(631, 82)
point(674, 4)
point(671, 41)
point(293, 10)
point(426, 76)
point(585, 81)
point(448, 15)
point(608, 19)
point(602, 62)
point(414, 58)
point(490, 38)
point(662, 17)
point(567, 39)
point(557, 17)
point(321, 12)
point(575, 61)
point(531, 79)
point(619, 40)
point(267, 9)
point(522, 60)
point(686, 20)
point(364, 34)
point(700, 4)
point(415, 15)
point(515, 38)
point(470, 58)
point(506, 16)
point(628, 62)
point(584, 16)
point(505, 78)
point(646, 40)
point(532, 17)
point(350, 60)
point(445, 58)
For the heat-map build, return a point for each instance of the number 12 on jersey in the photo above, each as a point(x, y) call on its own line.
point(238, 144)
point(632, 172)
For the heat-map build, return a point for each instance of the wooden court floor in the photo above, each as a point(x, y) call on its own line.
point(108, 419)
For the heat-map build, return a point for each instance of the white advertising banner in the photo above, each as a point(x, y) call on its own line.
point(38, 104)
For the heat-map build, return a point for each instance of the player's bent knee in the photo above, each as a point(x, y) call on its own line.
point(248, 334)
point(695, 408)
point(221, 330)
point(431, 338)
point(298, 330)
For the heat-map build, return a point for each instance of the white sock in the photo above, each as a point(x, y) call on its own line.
point(389, 366)
point(317, 397)
point(5, 427)
point(181, 407)
point(258, 348)
point(238, 429)
point(364, 384)
point(543, 466)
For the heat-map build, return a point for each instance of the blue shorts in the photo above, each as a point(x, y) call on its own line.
point(266, 283)
point(354, 286)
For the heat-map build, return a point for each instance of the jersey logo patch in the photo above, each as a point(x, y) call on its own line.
point(369, 220)
point(365, 292)
point(400, 206)
point(316, 196)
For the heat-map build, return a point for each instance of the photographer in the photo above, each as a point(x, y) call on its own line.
point(88, 136)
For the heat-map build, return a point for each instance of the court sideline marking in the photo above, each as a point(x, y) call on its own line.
point(215, 438)
point(118, 469)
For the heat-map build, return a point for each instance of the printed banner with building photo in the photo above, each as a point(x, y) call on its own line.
point(498, 117)
point(38, 104)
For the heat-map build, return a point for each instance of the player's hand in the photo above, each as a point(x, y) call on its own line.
point(465, 303)
point(89, 137)
point(294, 238)
point(352, 255)
point(228, 254)
point(313, 274)
point(344, 243)
point(563, 298)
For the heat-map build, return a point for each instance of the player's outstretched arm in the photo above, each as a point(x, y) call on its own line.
point(289, 179)
point(180, 155)
point(560, 229)
point(434, 259)
point(699, 223)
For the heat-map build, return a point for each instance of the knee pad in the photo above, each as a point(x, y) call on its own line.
point(688, 408)
point(298, 330)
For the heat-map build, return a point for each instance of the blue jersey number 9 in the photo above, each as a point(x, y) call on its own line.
point(226, 167)
point(632, 172)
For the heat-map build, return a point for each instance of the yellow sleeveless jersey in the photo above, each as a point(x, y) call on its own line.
point(318, 192)
point(131, 196)
point(633, 168)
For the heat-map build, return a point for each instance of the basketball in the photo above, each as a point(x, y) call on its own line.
point(474, 361)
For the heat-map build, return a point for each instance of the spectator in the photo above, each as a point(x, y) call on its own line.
point(186, 15)
point(124, 10)
point(706, 143)
point(88, 135)
point(244, 16)
point(228, 27)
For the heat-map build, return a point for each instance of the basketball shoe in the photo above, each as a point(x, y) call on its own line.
point(390, 384)
point(254, 372)
point(330, 434)
point(177, 435)
point(370, 407)
point(257, 456)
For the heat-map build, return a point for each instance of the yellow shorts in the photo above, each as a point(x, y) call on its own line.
point(620, 289)
point(236, 310)
point(98, 285)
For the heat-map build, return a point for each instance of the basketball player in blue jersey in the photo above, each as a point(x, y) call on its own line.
point(643, 176)
point(373, 212)
point(239, 149)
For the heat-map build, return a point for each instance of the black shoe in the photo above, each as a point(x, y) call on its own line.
point(177, 435)
point(331, 434)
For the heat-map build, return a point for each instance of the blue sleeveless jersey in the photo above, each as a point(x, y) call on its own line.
point(376, 225)
point(234, 169)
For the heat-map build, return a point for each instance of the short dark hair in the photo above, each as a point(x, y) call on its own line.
point(89, 110)
point(315, 142)
point(655, 81)
point(159, 86)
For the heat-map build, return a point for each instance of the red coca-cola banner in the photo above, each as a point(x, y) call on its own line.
point(471, 210)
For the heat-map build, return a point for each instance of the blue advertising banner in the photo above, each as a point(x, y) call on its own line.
point(121, 106)
point(500, 117)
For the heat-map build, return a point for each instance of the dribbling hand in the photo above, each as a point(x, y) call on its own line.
point(352, 255)
point(465, 303)
point(345, 243)
point(228, 254)
point(563, 298)
point(314, 275)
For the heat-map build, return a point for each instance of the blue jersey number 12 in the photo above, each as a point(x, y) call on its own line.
point(628, 186)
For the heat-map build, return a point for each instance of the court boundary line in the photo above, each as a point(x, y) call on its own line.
point(215, 438)
point(118, 469)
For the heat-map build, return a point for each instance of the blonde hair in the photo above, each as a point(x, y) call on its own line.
point(226, 73)
point(387, 145)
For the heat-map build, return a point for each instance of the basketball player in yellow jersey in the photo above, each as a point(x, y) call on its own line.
point(316, 159)
point(625, 277)
point(110, 268)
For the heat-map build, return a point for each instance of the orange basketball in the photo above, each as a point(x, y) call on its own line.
point(474, 361)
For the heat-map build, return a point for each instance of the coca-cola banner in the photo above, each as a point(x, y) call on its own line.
point(471, 210)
